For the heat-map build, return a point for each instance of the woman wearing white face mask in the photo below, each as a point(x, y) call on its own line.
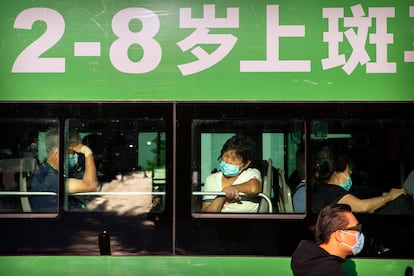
point(234, 177)
point(335, 182)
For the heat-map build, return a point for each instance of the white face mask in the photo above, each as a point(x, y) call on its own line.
point(359, 242)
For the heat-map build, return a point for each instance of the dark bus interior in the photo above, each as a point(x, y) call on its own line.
point(172, 147)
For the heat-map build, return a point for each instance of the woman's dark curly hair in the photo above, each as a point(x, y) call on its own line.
point(242, 145)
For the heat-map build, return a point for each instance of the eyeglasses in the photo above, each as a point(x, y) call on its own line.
point(358, 228)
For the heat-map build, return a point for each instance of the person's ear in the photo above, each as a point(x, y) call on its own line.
point(338, 236)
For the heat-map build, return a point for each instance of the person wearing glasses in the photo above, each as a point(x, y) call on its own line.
point(338, 235)
point(335, 182)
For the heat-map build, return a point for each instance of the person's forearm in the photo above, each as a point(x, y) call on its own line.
point(372, 204)
point(89, 178)
point(251, 188)
point(215, 206)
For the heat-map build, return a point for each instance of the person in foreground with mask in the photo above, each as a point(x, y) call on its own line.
point(335, 182)
point(338, 235)
point(234, 177)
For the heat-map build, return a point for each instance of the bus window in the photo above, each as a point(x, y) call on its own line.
point(28, 179)
point(381, 154)
point(129, 163)
point(274, 145)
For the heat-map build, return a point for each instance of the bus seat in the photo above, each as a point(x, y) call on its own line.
point(266, 187)
point(24, 167)
point(284, 203)
point(27, 166)
point(409, 184)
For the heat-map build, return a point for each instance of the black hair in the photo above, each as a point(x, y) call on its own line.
point(330, 219)
point(337, 163)
point(242, 145)
point(74, 137)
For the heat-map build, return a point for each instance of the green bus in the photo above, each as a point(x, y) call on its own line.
point(155, 88)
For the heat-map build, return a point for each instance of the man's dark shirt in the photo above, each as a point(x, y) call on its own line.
point(45, 180)
point(309, 259)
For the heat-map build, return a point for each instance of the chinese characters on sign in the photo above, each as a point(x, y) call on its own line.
point(361, 28)
point(357, 39)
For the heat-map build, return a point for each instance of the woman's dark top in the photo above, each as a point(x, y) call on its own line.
point(325, 195)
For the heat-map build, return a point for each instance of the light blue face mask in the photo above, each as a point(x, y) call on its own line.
point(348, 184)
point(229, 170)
point(359, 242)
point(72, 160)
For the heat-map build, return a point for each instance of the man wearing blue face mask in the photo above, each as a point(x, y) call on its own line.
point(335, 181)
point(82, 170)
point(338, 235)
point(234, 177)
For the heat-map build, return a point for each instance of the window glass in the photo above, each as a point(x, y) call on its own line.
point(29, 156)
point(115, 165)
point(380, 154)
point(222, 145)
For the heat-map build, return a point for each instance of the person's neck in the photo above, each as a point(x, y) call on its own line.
point(53, 164)
point(333, 181)
point(333, 250)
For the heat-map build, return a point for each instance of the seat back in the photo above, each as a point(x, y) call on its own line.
point(24, 167)
point(409, 184)
point(27, 166)
point(266, 187)
point(284, 203)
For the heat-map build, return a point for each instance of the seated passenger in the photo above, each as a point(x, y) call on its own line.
point(409, 184)
point(335, 182)
point(235, 177)
point(299, 198)
point(297, 183)
point(81, 178)
point(46, 179)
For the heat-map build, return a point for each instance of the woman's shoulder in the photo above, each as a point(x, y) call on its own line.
point(330, 187)
point(250, 173)
point(215, 175)
point(326, 194)
point(252, 170)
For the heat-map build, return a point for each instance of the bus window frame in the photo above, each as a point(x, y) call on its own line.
point(45, 124)
point(199, 127)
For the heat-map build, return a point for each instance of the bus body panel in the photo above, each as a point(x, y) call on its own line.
point(274, 50)
point(152, 265)
point(164, 85)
